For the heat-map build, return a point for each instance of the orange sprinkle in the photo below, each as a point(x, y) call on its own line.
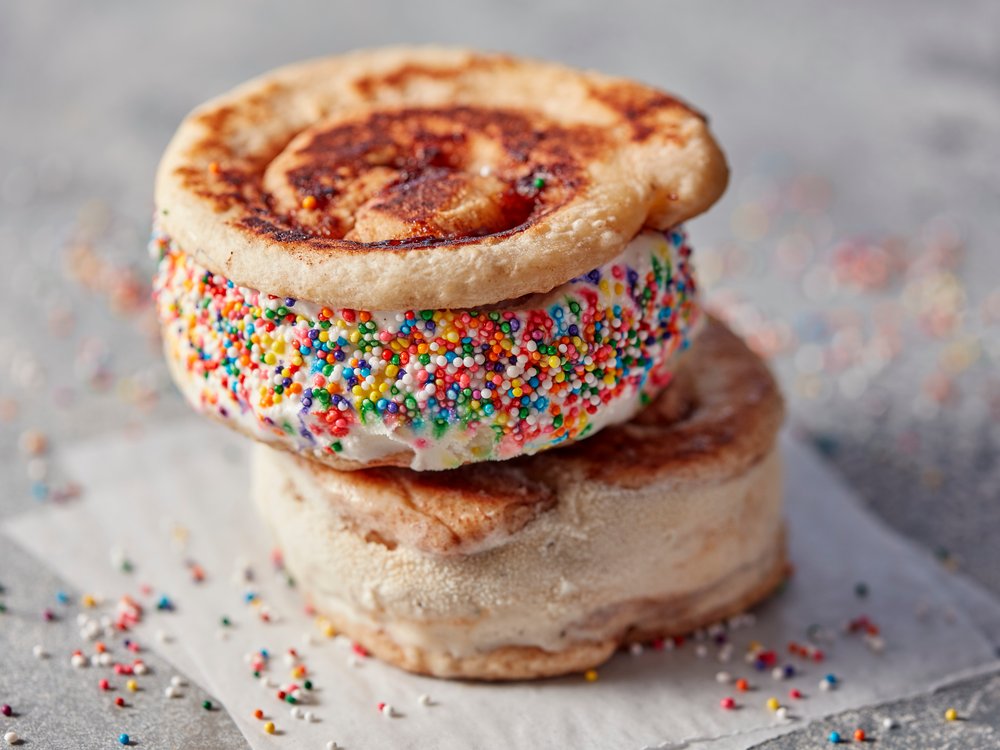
point(309, 202)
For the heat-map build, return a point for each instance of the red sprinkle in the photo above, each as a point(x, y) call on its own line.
point(728, 703)
point(795, 693)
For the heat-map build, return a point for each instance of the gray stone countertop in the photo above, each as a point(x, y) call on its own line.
point(856, 246)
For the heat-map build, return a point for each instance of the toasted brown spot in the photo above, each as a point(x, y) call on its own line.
point(372, 85)
point(640, 107)
point(373, 537)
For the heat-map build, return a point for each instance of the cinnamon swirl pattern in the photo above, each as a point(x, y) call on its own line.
point(429, 178)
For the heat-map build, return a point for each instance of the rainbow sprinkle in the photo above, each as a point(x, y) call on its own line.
point(451, 385)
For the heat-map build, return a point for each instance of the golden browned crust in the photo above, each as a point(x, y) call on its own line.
point(428, 177)
point(655, 619)
point(718, 417)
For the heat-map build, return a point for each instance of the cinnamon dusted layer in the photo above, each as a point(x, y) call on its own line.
point(429, 177)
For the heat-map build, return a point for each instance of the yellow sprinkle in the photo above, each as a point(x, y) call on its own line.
point(452, 336)
point(269, 727)
point(354, 337)
point(357, 390)
point(323, 336)
point(88, 600)
point(773, 704)
point(269, 358)
point(329, 631)
point(590, 675)
point(554, 361)
point(391, 371)
point(286, 373)
point(950, 715)
point(383, 387)
point(279, 346)
point(132, 686)
point(373, 396)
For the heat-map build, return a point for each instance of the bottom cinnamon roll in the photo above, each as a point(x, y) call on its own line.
point(546, 564)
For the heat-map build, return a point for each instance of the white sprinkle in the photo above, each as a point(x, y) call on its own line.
point(331, 745)
point(162, 636)
point(177, 681)
point(889, 723)
point(79, 661)
point(782, 713)
point(354, 661)
point(11, 738)
point(309, 716)
point(296, 712)
point(825, 685)
point(388, 711)
point(778, 673)
point(701, 651)
point(266, 682)
point(39, 652)
point(424, 700)
point(289, 660)
point(726, 653)
point(875, 643)
point(723, 677)
point(140, 668)
point(104, 659)
point(171, 691)
point(635, 649)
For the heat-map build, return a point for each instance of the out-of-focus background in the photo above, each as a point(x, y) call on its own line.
point(857, 245)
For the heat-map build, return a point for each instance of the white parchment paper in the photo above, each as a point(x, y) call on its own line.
point(177, 497)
